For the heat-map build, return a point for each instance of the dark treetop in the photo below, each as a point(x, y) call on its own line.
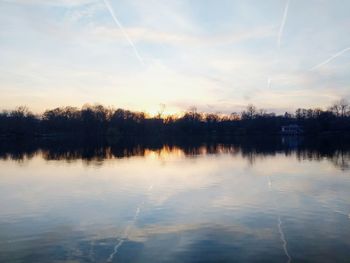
point(98, 120)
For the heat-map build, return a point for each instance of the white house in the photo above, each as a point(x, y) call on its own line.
point(292, 129)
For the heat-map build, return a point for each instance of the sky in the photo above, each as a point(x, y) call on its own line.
point(148, 55)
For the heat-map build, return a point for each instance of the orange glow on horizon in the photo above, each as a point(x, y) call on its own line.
point(166, 112)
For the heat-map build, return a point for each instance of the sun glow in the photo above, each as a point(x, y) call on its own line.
point(162, 111)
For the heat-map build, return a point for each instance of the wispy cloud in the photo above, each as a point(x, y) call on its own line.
point(116, 20)
point(67, 3)
point(284, 19)
point(198, 54)
point(86, 11)
point(172, 38)
point(330, 58)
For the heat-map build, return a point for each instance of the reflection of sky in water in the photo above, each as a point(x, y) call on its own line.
point(166, 207)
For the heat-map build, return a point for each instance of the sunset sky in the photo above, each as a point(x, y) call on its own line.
point(217, 55)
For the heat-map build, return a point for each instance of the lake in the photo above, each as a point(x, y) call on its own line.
point(282, 199)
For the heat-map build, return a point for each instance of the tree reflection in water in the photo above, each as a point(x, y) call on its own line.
point(95, 151)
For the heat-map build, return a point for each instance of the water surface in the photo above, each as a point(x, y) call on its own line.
point(285, 201)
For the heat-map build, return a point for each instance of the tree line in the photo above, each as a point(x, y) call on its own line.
point(97, 120)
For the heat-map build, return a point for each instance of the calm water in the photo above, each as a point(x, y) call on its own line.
point(253, 201)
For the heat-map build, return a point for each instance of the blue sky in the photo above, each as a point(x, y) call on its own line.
point(216, 55)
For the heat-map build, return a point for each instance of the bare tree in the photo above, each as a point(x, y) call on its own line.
point(343, 106)
point(250, 112)
point(162, 107)
point(262, 112)
point(335, 109)
point(340, 108)
point(234, 116)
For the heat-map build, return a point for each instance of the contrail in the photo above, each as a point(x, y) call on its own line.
point(129, 226)
point(279, 225)
point(269, 80)
point(284, 19)
point(126, 233)
point(284, 241)
point(331, 58)
point(279, 37)
point(111, 11)
point(115, 250)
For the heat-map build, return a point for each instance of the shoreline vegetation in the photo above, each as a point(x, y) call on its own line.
point(100, 121)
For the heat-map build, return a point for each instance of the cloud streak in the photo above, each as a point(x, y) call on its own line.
point(182, 39)
point(62, 3)
point(111, 11)
point(330, 58)
point(284, 19)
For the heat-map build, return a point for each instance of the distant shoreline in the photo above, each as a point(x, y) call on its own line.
point(99, 121)
point(72, 135)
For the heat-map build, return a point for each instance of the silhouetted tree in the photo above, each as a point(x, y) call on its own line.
point(97, 120)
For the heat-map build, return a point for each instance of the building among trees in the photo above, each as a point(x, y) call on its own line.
point(291, 129)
